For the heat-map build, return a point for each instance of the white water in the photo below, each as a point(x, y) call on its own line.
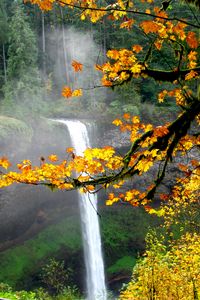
point(95, 279)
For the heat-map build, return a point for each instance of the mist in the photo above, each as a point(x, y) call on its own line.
point(80, 47)
point(27, 210)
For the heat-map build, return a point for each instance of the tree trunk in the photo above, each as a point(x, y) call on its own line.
point(4, 64)
point(64, 45)
point(43, 45)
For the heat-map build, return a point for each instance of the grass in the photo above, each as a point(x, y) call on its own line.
point(12, 126)
point(125, 263)
point(22, 260)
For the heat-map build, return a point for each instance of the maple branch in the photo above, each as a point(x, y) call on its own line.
point(178, 129)
point(169, 76)
point(111, 9)
point(175, 131)
point(135, 146)
point(161, 176)
point(159, 75)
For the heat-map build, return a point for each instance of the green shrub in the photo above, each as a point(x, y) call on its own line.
point(11, 126)
point(68, 293)
point(55, 276)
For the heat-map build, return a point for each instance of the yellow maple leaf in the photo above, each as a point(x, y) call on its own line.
point(117, 122)
point(114, 54)
point(154, 152)
point(135, 120)
point(4, 162)
point(136, 68)
point(147, 11)
point(192, 55)
point(53, 157)
point(111, 199)
point(161, 96)
point(145, 165)
point(190, 75)
point(77, 93)
point(123, 76)
point(179, 30)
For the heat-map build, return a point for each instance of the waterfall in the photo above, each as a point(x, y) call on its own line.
point(96, 289)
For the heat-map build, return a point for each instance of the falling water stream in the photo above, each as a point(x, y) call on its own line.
point(96, 289)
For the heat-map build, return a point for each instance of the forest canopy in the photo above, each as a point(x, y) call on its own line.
point(159, 56)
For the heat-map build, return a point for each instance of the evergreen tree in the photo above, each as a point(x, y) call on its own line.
point(3, 41)
point(23, 87)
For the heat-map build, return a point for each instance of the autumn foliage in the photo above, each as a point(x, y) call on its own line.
point(167, 273)
point(149, 145)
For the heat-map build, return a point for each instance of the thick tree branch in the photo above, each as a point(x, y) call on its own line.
point(165, 143)
point(160, 75)
point(169, 76)
point(178, 129)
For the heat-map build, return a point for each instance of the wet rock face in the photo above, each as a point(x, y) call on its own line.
point(24, 209)
point(115, 138)
point(110, 135)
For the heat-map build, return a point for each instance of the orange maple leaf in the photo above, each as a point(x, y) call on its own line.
point(137, 48)
point(158, 44)
point(179, 30)
point(98, 67)
point(66, 92)
point(127, 24)
point(160, 13)
point(70, 150)
point(150, 26)
point(106, 82)
point(126, 116)
point(162, 95)
point(53, 157)
point(147, 208)
point(164, 197)
point(44, 5)
point(192, 40)
point(160, 131)
point(77, 66)
point(114, 54)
